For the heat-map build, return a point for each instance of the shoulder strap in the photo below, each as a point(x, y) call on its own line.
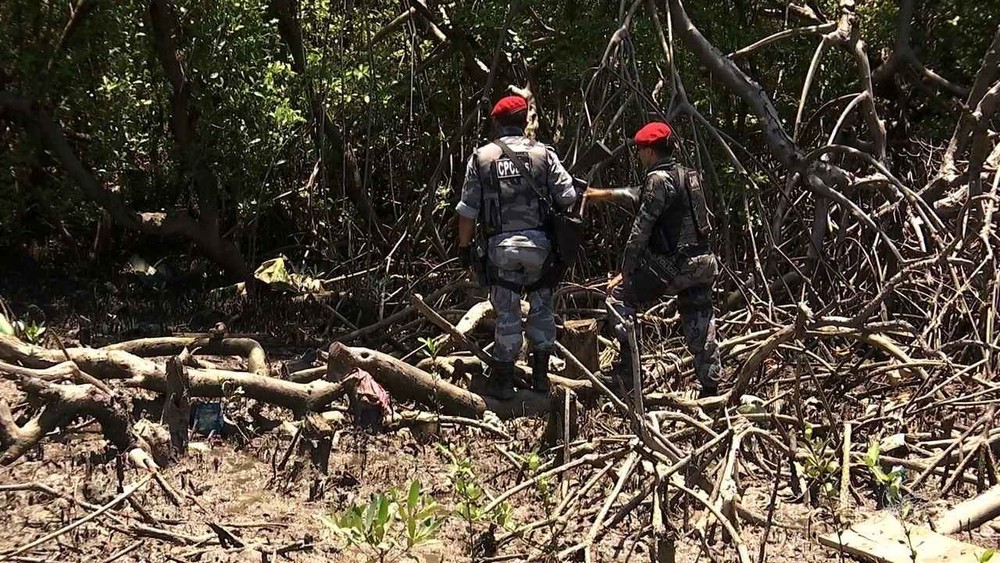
point(482, 198)
point(682, 179)
point(522, 167)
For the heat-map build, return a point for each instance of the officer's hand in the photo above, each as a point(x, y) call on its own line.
point(593, 195)
point(615, 282)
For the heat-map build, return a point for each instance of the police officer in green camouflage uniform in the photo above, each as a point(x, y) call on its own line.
point(513, 218)
point(668, 253)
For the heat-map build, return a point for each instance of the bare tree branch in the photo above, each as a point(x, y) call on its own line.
point(784, 34)
point(78, 12)
point(328, 136)
point(903, 56)
point(736, 81)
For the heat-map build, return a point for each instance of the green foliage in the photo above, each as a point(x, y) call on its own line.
point(432, 348)
point(421, 516)
point(389, 525)
point(31, 332)
point(986, 556)
point(820, 465)
point(532, 462)
point(396, 102)
point(472, 497)
point(891, 482)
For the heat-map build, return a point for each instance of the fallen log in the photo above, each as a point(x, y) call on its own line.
point(247, 348)
point(459, 367)
point(404, 381)
point(147, 374)
point(410, 383)
point(455, 367)
point(970, 514)
point(886, 539)
point(581, 387)
point(300, 398)
point(468, 323)
point(480, 315)
point(307, 375)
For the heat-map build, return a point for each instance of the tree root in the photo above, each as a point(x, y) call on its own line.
point(61, 405)
point(247, 348)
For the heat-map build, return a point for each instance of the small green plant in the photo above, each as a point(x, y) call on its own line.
point(32, 332)
point(422, 517)
point(472, 497)
point(986, 556)
point(433, 348)
point(533, 462)
point(891, 482)
point(820, 464)
point(389, 527)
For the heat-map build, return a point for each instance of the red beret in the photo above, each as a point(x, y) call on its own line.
point(509, 105)
point(653, 133)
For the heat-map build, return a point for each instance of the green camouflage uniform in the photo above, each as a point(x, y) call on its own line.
point(664, 256)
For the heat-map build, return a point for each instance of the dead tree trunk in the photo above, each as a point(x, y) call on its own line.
point(580, 338)
point(37, 122)
point(183, 121)
point(404, 381)
point(172, 346)
point(146, 374)
point(177, 405)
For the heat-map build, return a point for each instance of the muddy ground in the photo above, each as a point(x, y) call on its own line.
point(237, 482)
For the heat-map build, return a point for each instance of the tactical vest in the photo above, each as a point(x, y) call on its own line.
point(684, 226)
point(509, 202)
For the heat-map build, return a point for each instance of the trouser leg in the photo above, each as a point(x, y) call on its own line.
point(640, 287)
point(541, 331)
point(698, 320)
point(622, 302)
point(507, 336)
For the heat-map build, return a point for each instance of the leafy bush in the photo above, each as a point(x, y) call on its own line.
point(388, 527)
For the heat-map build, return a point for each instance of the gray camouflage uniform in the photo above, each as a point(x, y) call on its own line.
point(686, 268)
point(510, 214)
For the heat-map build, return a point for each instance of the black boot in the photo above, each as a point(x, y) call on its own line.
point(501, 382)
point(708, 392)
point(540, 370)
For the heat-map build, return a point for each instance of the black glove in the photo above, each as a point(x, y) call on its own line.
point(465, 256)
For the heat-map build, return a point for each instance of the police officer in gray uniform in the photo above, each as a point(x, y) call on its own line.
point(668, 253)
point(513, 219)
